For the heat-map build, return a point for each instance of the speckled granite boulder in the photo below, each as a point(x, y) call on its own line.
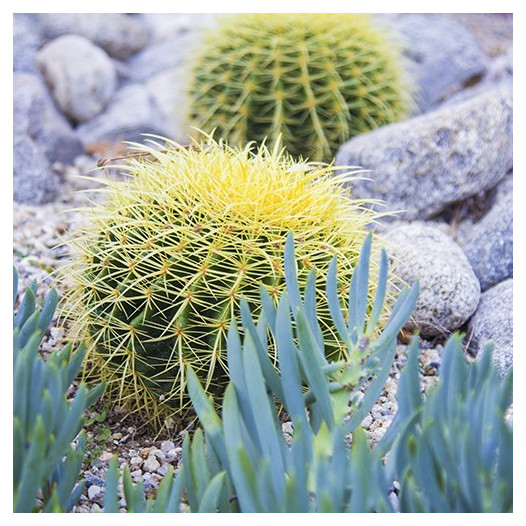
point(493, 321)
point(421, 165)
point(489, 247)
point(81, 76)
point(449, 290)
point(120, 35)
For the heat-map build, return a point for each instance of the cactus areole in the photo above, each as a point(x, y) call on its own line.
point(315, 79)
point(159, 264)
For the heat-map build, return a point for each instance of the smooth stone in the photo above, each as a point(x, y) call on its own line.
point(163, 55)
point(163, 25)
point(167, 93)
point(94, 492)
point(131, 113)
point(418, 167)
point(34, 181)
point(498, 74)
point(449, 289)
point(443, 55)
point(36, 115)
point(489, 247)
point(120, 35)
point(93, 480)
point(26, 41)
point(493, 321)
point(167, 446)
point(80, 75)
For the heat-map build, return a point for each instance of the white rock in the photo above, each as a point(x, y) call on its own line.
point(81, 76)
point(94, 492)
point(151, 464)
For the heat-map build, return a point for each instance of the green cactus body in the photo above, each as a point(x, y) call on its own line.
point(159, 266)
point(314, 79)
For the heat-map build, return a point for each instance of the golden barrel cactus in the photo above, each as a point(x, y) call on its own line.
point(159, 264)
point(313, 79)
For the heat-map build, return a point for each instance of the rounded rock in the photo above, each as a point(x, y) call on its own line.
point(442, 55)
point(151, 464)
point(81, 76)
point(167, 446)
point(449, 289)
point(130, 114)
point(26, 41)
point(493, 322)
point(419, 166)
point(36, 115)
point(34, 181)
point(489, 247)
point(120, 35)
point(94, 492)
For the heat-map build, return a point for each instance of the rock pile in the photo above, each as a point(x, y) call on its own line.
point(446, 177)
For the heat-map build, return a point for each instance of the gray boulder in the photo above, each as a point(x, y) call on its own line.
point(421, 165)
point(489, 247)
point(26, 41)
point(167, 93)
point(81, 76)
point(118, 34)
point(35, 115)
point(499, 74)
point(443, 55)
point(162, 25)
point(34, 181)
point(449, 290)
point(131, 113)
point(493, 322)
point(174, 37)
point(160, 56)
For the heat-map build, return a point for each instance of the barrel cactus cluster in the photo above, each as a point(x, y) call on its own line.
point(160, 264)
point(313, 79)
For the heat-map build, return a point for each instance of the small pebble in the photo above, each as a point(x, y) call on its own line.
point(146, 451)
point(163, 469)
point(92, 480)
point(94, 492)
point(166, 446)
point(151, 464)
point(159, 454)
point(136, 462)
point(173, 454)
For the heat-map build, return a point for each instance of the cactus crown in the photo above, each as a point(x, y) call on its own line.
point(314, 79)
point(159, 266)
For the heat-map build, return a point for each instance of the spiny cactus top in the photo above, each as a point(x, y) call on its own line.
point(315, 79)
point(159, 266)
